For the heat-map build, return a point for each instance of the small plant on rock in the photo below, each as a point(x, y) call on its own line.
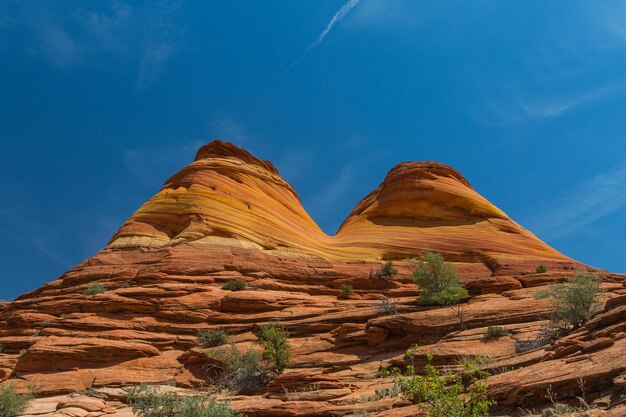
point(438, 280)
point(239, 371)
point(387, 307)
point(548, 334)
point(148, 401)
point(95, 288)
point(275, 342)
point(1, 348)
point(11, 402)
point(541, 269)
point(574, 302)
point(562, 410)
point(346, 289)
point(446, 393)
point(495, 332)
point(386, 272)
point(234, 285)
point(212, 338)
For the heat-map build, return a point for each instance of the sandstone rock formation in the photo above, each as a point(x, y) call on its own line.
point(229, 215)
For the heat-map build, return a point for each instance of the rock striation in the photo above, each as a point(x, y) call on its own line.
point(229, 215)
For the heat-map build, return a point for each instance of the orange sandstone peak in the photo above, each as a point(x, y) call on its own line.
point(229, 195)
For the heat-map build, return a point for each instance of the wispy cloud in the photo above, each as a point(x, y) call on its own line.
point(527, 108)
point(587, 203)
point(229, 129)
point(115, 36)
point(150, 166)
point(161, 35)
point(340, 14)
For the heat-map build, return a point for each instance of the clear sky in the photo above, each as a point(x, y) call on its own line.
point(102, 101)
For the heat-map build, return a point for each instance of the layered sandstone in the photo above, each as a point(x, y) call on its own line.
point(229, 215)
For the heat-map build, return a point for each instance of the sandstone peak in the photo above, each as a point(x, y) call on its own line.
point(221, 149)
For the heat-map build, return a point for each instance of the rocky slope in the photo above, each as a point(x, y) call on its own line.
point(229, 215)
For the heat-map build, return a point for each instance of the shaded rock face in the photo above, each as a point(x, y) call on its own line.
point(229, 215)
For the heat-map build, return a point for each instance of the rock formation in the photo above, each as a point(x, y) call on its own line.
point(229, 215)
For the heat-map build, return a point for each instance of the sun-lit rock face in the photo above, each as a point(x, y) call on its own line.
point(228, 196)
point(229, 215)
point(226, 193)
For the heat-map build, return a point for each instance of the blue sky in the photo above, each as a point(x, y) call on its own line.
point(102, 101)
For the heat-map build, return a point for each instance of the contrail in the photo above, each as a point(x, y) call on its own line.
point(341, 13)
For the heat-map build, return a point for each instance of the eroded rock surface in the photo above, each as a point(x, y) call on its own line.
point(229, 215)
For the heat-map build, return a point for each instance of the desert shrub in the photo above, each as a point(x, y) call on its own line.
point(548, 334)
point(624, 282)
point(234, 285)
point(147, 401)
point(495, 332)
point(386, 272)
point(212, 338)
point(241, 371)
point(438, 280)
point(1, 348)
point(559, 409)
point(346, 289)
point(45, 323)
point(95, 288)
point(11, 402)
point(447, 393)
point(361, 413)
point(387, 307)
point(275, 342)
point(574, 302)
point(541, 269)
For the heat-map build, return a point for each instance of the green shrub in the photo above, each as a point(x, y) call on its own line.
point(275, 342)
point(346, 288)
point(1, 348)
point(624, 282)
point(212, 338)
point(147, 401)
point(541, 269)
point(12, 403)
point(574, 302)
point(95, 288)
point(495, 332)
point(447, 394)
point(386, 272)
point(438, 280)
point(234, 285)
point(239, 371)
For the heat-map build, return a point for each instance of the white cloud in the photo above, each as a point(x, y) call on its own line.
point(230, 130)
point(589, 202)
point(517, 108)
point(151, 166)
point(160, 42)
point(340, 14)
point(115, 36)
